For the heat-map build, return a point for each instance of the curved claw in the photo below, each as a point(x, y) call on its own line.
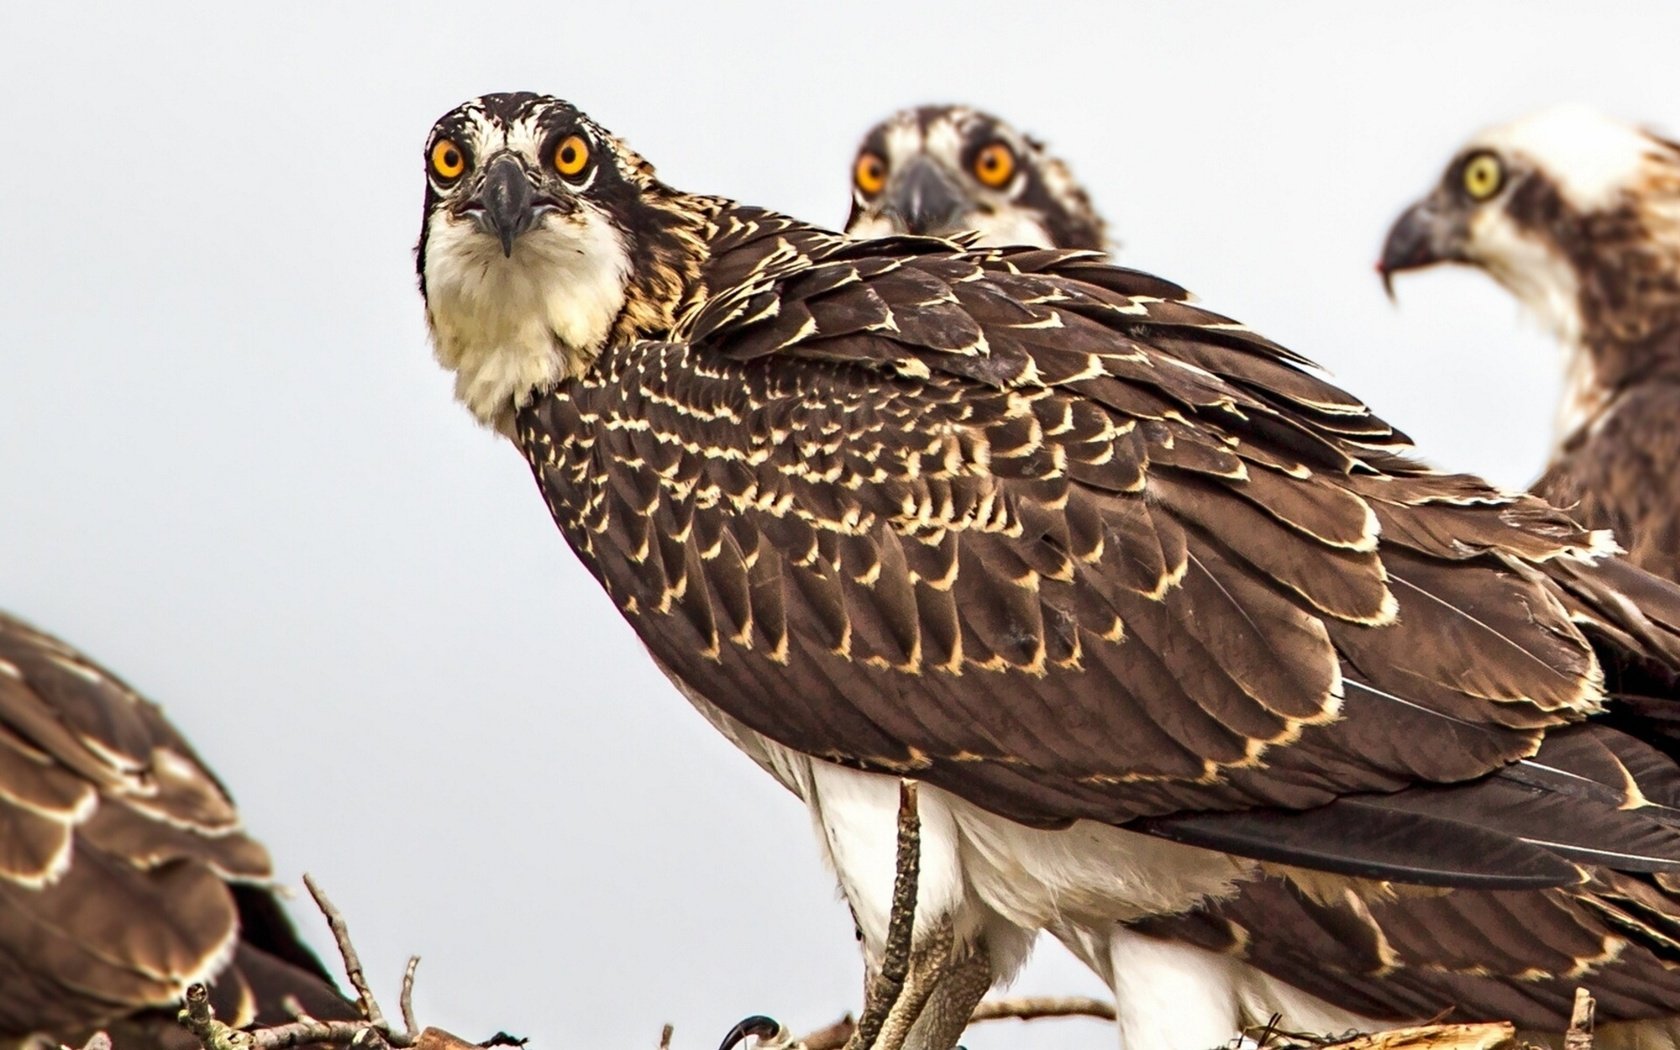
point(766, 1029)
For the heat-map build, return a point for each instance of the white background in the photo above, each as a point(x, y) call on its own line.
point(230, 470)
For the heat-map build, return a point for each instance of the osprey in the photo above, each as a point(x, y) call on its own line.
point(1395, 959)
point(1150, 610)
point(1579, 217)
point(125, 873)
point(940, 170)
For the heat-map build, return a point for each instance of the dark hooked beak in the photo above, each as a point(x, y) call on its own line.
point(924, 200)
point(1422, 236)
point(505, 202)
point(765, 1028)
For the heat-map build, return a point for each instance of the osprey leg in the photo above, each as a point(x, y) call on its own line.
point(958, 989)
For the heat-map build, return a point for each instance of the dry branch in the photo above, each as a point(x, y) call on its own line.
point(888, 984)
point(1015, 1008)
point(371, 1032)
point(1580, 1034)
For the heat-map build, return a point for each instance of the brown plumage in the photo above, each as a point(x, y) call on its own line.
point(1403, 956)
point(125, 872)
point(1580, 217)
point(1038, 532)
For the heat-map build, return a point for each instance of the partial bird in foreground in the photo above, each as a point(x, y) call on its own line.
point(1395, 959)
point(125, 873)
point(1578, 216)
point(1149, 609)
point(943, 170)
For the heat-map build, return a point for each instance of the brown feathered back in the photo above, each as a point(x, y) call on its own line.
point(125, 872)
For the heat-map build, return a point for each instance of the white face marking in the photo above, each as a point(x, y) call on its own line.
point(1589, 157)
point(1531, 267)
point(510, 326)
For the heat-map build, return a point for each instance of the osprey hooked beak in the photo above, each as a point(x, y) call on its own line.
point(1423, 235)
point(925, 198)
point(505, 204)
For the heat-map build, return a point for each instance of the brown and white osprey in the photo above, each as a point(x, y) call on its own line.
point(942, 170)
point(125, 873)
point(1579, 217)
point(1395, 959)
point(1152, 612)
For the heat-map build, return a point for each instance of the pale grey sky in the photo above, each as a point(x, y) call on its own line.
point(230, 470)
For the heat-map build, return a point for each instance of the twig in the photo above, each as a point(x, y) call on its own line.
point(888, 984)
point(1016, 1008)
point(665, 1035)
point(365, 1001)
point(1580, 1034)
point(371, 1032)
point(199, 1019)
point(405, 1001)
point(1484, 1036)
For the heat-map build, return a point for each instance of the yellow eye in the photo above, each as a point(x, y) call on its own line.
point(571, 156)
point(448, 162)
point(870, 173)
point(994, 166)
point(1483, 176)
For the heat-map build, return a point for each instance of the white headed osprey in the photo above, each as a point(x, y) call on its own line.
point(125, 873)
point(1153, 613)
point(941, 170)
point(1579, 216)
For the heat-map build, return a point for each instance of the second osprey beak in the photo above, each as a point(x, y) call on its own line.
point(1421, 236)
point(924, 197)
point(507, 201)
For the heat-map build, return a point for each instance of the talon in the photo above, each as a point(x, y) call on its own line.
point(765, 1029)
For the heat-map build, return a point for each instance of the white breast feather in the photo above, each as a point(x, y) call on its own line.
point(508, 326)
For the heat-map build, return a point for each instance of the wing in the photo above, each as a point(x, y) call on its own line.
point(124, 871)
point(1466, 955)
point(1033, 529)
point(1618, 474)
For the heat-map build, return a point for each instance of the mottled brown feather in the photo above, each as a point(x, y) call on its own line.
point(1023, 531)
point(124, 871)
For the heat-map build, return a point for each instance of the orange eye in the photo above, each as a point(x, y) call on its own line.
point(870, 173)
point(448, 162)
point(571, 156)
point(994, 166)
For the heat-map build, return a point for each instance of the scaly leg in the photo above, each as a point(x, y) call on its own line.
point(951, 1004)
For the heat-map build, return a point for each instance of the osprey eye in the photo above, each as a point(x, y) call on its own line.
point(1483, 176)
point(448, 162)
point(870, 174)
point(571, 156)
point(994, 166)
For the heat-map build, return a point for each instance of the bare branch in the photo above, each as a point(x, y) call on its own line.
point(199, 1019)
point(1017, 1008)
point(372, 1032)
point(1482, 1036)
point(888, 984)
point(405, 1001)
point(1032, 1007)
point(1580, 1034)
point(365, 1001)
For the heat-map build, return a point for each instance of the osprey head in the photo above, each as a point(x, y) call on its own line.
point(542, 233)
point(941, 170)
point(1546, 205)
